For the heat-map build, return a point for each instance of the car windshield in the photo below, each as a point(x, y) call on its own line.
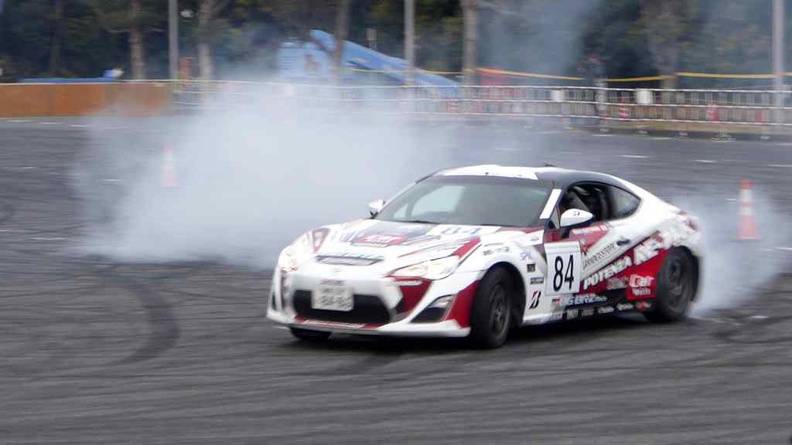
point(470, 200)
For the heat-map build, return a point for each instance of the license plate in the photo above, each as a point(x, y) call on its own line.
point(332, 298)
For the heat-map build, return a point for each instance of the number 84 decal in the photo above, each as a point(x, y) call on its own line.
point(563, 268)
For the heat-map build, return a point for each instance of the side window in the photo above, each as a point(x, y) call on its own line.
point(624, 203)
point(591, 197)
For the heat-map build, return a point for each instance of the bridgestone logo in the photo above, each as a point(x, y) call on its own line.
point(608, 272)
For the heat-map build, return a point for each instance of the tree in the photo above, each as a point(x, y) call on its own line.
point(341, 31)
point(57, 33)
point(665, 23)
point(469, 57)
point(135, 18)
point(208, 10)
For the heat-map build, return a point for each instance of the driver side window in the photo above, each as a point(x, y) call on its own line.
point(591, 197)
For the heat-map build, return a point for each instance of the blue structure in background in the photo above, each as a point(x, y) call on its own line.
point(109, 76)
point(309, 60)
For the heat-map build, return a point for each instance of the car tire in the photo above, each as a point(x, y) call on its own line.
point(490, 317)
point(676, 287)
point(309, 335)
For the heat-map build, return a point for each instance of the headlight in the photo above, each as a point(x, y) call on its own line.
point(431, 270)
point(286, 260)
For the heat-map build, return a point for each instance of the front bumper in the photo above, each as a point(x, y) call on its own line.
point(281, 308)
point(447, 328)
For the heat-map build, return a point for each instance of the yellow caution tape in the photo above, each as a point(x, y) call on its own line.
point(725, 76)
point(521, 74)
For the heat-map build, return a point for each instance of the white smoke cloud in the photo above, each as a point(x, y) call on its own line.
point(251, 178)
point(733, 269)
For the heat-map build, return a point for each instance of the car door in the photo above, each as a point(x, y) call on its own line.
point(581, 260)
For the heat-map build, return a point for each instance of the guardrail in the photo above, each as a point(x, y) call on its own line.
point(610, 107)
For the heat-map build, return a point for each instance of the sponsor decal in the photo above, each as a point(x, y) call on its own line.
point(537, 280)
point(571, 314)
point(420, 240)
point(537, 295)
point(349, 259)
point(605, 310)
point(555, 316)
point(643, 305)
point(625, 307)
point(641, 281)
point(591, 229)
point(524, 256)
point(410, 283)
point(577, 300)
point(600, 255)
point(379, 240)
point(586, 312)
point(617, 283)
point(530, 267)
point(641, 286)
point(556, 302)
point(609, 271)
point(493, 249)
point(663, 240)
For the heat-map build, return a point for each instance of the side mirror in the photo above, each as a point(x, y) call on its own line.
point(575, 218)
point(376, 206)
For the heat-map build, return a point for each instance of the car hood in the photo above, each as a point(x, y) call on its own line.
point(369, 242)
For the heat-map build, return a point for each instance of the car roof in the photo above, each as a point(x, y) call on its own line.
point(562, 177)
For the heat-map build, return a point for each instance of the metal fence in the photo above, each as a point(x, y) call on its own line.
point(600, 106)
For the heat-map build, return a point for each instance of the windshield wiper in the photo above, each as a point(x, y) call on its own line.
point(417, 221)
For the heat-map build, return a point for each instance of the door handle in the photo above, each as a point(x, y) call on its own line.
point(622, 242)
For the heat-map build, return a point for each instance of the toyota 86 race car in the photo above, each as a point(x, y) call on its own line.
point(475, 251)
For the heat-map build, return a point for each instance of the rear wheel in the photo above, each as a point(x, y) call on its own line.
point(676, 286)
point(490, 316)
point(308, 335)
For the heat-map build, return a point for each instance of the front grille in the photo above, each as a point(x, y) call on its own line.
point(367, 309)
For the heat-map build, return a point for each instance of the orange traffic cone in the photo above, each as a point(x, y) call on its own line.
point(747, 228)
point(169, 176)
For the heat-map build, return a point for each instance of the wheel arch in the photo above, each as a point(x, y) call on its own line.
point(696, 261)
point(518, 290)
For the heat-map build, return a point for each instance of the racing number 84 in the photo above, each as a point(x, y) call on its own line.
point(564, 274)
point(563, 268)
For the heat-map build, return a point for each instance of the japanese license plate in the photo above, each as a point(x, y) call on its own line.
point(332, 298)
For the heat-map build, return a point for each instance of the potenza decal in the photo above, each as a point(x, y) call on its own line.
point(615, 268)
point(563, 267)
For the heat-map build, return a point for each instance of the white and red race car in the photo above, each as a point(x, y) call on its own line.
point(475, 251)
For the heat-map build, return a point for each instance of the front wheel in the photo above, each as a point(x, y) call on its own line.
point(490, 316)
point(676, 286)
point(308, 335)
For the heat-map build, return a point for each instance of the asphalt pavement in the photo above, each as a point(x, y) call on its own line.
point(99, 351)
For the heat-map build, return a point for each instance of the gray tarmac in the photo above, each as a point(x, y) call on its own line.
point(94, 351)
